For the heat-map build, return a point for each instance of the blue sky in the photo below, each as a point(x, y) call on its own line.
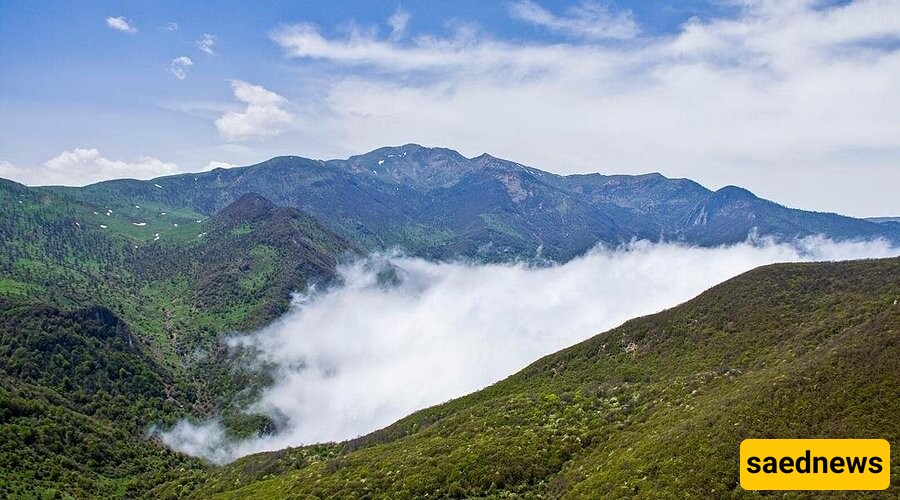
point(796, 99)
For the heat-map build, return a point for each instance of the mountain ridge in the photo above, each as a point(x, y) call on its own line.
point(436, 203)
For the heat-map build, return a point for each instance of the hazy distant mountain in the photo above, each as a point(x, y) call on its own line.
point(437, 203)
point(893, 222)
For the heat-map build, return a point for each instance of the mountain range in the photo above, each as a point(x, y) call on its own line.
point(436, 203)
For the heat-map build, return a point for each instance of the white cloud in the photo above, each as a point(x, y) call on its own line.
point(121, 24)
point(264, 115)
point(398, 21)
point(84, 166)
point(9, 170)
point(795, 100)
point(207, 43)
point(589, 20)
point(361, 356)
point(178, 66)
point(213, 164)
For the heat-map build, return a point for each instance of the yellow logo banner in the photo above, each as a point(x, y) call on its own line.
point(815, 464)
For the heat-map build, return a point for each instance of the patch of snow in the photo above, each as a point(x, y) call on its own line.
point(77, 224)
point(162, 213)
point(102, 226)
point(201, 235)
point(95, 213)
point(157, 237)
point(175, 224)
point(381, 162)
point(139, 223)
point(375, 172)
point(157, 185)
point(20, 202)
point(137, 206)
point(199, 221)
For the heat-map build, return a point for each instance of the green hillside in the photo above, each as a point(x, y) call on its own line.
point(76, 396)
point(655, 408)
point(177, 287)
point(100, 326)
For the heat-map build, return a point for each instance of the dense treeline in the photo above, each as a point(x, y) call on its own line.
point(76, 397)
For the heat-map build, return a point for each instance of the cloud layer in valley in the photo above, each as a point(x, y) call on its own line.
point(358, 357)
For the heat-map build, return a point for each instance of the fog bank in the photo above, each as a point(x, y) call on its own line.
point(384, 344)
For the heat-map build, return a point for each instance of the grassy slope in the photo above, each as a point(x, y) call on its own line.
point(800, 350)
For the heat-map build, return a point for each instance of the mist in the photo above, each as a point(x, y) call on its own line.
point(401, 333)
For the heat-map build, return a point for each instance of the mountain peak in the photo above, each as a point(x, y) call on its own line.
point(411, 164)
point(735, 192)
point(250, 206)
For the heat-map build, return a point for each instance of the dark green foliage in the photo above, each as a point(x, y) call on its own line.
point(77, 395)
point(656, 408)
point(251, 257)
point(105, 332)
point(81, 352)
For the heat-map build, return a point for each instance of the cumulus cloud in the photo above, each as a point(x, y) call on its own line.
point(207, 43)
point(9, 170)
point(121, 24)
point(264, 115)
point(589, 20)
point(82, 166)
point(178, 67)
point(358, 357)
point(795, 100)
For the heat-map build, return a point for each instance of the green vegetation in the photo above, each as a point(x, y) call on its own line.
point(179, 292)
point(100, 327)
point(76, 394)
point(656, 408)
point(495, 223)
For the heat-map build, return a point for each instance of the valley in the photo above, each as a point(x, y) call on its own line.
point(119, 300)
